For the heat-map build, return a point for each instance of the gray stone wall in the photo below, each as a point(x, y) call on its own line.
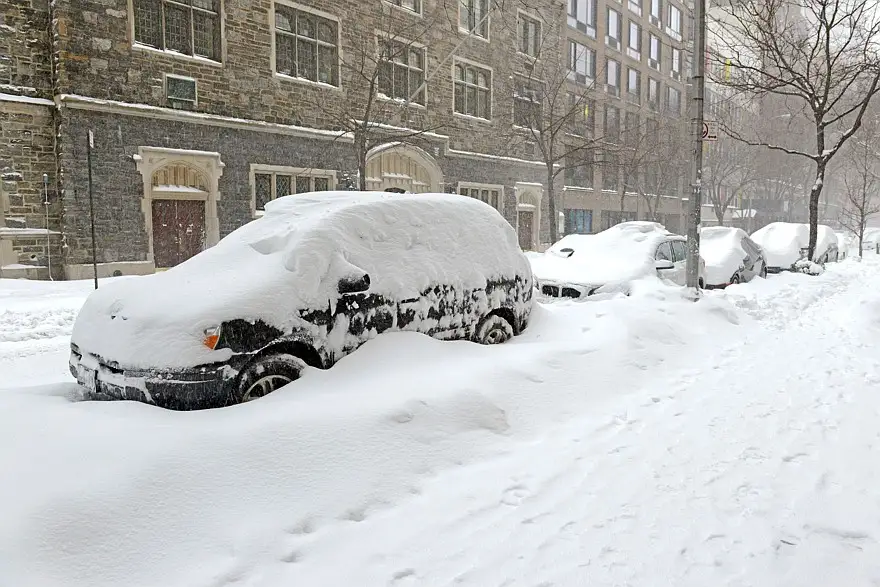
point(99, 59)
point(118, 185)
point(24, 48)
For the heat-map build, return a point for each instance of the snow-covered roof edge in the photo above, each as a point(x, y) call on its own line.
point(26, 100)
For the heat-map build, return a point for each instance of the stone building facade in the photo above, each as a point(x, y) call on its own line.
point(202, 111)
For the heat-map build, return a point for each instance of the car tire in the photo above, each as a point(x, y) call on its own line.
point(735, 279)
point(493, 329)
point(267, 374)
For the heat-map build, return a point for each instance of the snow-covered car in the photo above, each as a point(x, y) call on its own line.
point(578, 265)
point(303, 286)
point(871, 238)
point(730, 256)
point(785, 244)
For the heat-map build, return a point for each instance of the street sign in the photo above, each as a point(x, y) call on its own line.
point(710, 131)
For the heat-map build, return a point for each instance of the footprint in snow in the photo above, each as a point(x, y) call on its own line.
point(515, 495)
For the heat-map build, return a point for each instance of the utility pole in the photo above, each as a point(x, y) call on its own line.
point(698, 84)
point(89, 146)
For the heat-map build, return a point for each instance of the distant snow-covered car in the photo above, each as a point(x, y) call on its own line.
point(730, 256)
point(786, 243)
point(583, 265)
point(304, 285)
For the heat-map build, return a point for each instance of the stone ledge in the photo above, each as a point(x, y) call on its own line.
point(86, 271)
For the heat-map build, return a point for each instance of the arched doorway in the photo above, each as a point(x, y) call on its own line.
point(528, 215)
point(179, 203)
point(408, 168)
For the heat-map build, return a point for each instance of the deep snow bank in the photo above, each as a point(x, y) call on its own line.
point(117, 493)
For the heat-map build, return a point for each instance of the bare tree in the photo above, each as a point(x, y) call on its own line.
point(554, 108)
point(818, 56)
point(728, 169)
point(861, 182)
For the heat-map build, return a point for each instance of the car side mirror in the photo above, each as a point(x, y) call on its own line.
point(566, 252)
point(353, 284)
point(660, 264)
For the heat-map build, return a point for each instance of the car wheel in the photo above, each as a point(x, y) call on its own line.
point(735, 279)
point(268, 374)
point(493, 329)
point(764, 270)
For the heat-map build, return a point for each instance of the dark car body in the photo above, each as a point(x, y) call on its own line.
point(314, 335)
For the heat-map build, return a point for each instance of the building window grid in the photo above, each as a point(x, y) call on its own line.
point(306, 45)
point(653, 94)
point(582, 16)
point(411, 5)
point(634, 41)
point(612, 77)
point(675, 63)
point(673, 21)
point(655, 52)
point(634, 85)
point(582, 62)
point(401, 71)
point(529, 31)
point(527, 110)
point(657, 13)
point(673, 100)
point(614, 29)
point(635, 6)
point(271, 185)
point(488, 193)
point(578, 221)
point(472, 91)
point(190, 28)
point(473, 17)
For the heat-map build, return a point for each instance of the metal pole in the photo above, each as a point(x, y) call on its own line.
point(695, 203)
point(48, 239)
point(89, 146)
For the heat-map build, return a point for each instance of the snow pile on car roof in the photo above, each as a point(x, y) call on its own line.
point(619, 254)
point(292, 258)
point(721, 249)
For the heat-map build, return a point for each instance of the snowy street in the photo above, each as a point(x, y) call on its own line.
point(630, 441)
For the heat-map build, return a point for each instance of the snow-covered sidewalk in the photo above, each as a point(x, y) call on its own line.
point(645, 441)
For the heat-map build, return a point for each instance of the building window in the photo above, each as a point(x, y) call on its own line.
point(614, 31)
point(614, 217)
point(527, 111)
point(490, 194)
point(634, 85)
point(306, 45)
point(582, 16)
point(673, 100)
point(583, 117)
point(612, 123)
point(675, 66)
point(473, 17)
point(631, 129)
point(610, 171)
point(654, 52)
point(612, 77)
point(189, 27)
point(401, 71)
point(578, 221)
point(579, 169)
point(657, 12)
point(636, 6)
point(634, 46)
point(581, 62)
point(411, 5)
point(653, 94)
point(271, 182)
point(673, 22)
point(529, 35)
point(473, 90)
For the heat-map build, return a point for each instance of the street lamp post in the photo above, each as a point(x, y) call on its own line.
point(695, 201)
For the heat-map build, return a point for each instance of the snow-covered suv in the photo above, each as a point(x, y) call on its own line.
point(306, 284)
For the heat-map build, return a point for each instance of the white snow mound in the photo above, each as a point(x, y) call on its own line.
point(721, 248)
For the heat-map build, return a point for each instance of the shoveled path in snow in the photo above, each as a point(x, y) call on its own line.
point(760, 470)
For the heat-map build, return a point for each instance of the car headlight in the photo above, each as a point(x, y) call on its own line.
point(212, 337)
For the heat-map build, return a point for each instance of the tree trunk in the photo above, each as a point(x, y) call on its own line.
point(861, 236)
point(360, 141)
point(551, 207)
point(815, 193)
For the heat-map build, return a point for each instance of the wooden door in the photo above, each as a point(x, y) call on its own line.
point(525, 229)
point(178, 231)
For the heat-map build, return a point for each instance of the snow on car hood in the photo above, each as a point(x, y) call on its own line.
point(782, 242)
point(721, 248)
point(292, 258)
point(622, 253)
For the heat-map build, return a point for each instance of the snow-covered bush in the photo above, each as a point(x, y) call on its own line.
point(808, 267)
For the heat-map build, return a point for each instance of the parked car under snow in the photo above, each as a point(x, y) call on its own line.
point(731, 256)
point(785, 243)
point(579, 265)
point(308, 283)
